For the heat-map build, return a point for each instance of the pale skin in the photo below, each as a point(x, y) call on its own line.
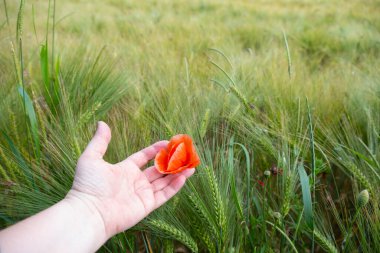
point(105, 199)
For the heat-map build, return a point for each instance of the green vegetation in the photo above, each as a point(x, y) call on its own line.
point(291, 87)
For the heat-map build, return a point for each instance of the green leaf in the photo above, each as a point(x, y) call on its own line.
point(248, 176)
point(44, 62)
point(52, 86)
point(32, 120)
point(312, 150)
point(231, 172)
point(258, 206)
point(306, 196)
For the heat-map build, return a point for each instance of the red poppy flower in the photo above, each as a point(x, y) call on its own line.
point(178, 156)
point(261, 183)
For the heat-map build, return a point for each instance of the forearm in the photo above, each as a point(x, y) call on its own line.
point(70, 225)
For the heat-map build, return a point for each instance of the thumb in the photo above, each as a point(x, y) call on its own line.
point(99, 143)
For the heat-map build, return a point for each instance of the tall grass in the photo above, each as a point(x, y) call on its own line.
point(278, 174)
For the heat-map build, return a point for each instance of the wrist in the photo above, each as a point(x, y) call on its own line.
point(87, 219)
point(71, 225)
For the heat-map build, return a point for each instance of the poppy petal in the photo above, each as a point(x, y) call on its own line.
point(180, 169)
point(174, 142)
point(161, 161)
point(179, 158)
point(194, 158)
point(178, 139)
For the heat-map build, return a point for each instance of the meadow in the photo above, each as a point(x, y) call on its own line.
point(282, 98)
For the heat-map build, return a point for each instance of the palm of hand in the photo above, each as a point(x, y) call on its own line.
point(122, 193)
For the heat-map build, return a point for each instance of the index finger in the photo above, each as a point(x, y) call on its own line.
point(143, 156)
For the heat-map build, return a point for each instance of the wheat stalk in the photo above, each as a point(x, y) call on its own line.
point(16, 64)
point(13, 125)
point(86, 116)
point(174, 233)
point(20, 20)
point(203, 214)
point(168, 246)
point(4, 174)
point(360, 176)
point(14, 172)
point(216, 199)
point(75, 148)
point(288, 191)
point(204, 124)
point(203, 235)
point(324, 242)
point(240, 96)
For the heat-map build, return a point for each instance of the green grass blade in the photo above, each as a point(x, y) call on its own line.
point(306, 196)
point(231, 176)
point(44, 62)
point(224, 72)
point(222, 54)
point(312, 146)
point(53, 36)
point(6, 12)
point(51, 87)
point(187, 71)
point(30, 112)
point(248, 177)
point(34, 22)
point(258, 206)
point(284, 234)
point(288, 55)
point(220, 84)
point(312, 150)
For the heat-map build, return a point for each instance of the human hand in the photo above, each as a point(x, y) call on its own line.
point(122, 193)
point(105, 199)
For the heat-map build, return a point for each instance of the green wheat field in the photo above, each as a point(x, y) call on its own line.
point(281, 97)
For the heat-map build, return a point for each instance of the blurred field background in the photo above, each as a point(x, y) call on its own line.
point(281, 97)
